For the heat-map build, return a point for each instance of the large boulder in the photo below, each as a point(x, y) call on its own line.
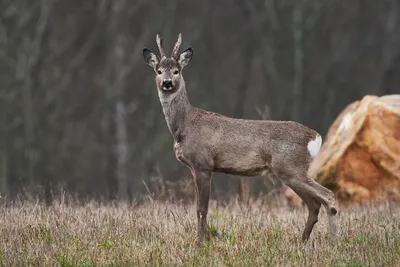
point(360, 158)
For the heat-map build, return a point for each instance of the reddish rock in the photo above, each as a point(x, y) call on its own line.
point(360, 158)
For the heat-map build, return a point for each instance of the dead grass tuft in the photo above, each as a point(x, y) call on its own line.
point(160, 234)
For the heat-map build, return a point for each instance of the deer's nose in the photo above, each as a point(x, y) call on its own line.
point(167, 84)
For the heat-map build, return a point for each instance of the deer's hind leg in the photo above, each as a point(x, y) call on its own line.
point(314, 195)
point(306, 186)
point(313, 211)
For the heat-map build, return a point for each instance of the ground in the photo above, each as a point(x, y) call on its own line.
point(161, 234)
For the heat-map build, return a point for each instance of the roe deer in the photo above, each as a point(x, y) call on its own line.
point(208, 142)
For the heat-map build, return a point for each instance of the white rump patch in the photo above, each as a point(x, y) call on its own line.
point(314, 146)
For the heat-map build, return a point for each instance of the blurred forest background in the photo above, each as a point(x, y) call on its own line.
point(79, 110)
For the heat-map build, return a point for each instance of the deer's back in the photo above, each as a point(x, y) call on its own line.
point(245, 147)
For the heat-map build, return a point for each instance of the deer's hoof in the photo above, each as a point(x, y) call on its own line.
point(333, 211)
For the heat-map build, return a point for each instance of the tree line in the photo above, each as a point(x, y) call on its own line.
point(79, 110)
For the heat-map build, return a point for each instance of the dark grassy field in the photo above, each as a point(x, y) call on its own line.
point(159, 234)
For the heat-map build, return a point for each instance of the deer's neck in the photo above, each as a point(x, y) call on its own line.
point(176, 108)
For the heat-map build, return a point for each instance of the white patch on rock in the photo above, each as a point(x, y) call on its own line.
point(314, 146)
point(346, 122)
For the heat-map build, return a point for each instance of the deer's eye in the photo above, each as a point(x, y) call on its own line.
point(176, 72)
point(159, 71)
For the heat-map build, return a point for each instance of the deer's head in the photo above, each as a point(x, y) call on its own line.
point(168, 70)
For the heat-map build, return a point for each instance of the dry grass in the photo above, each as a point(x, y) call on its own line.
point(159, 234)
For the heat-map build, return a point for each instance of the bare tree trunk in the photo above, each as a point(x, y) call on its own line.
point(3, 153)
point(24, 75)
point(122, 148)
point(387, 75)
point(298, 60)
point(390, 50)
point(3, 171)
point(109, 163)
point(244, 190)
point(245, 183)
point(272, 14)
point(263, 23)
point(116, 74)
point(121, 151)
point(26, 64)
point(208, 42)
point(115, 130)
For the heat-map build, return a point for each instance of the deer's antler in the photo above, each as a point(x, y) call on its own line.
point(159, 44)
point(175, 51)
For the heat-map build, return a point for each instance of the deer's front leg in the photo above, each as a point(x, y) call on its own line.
point(203, 187)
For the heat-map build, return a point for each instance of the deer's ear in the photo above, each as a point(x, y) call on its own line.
point(150, 58)
point(185, 57)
